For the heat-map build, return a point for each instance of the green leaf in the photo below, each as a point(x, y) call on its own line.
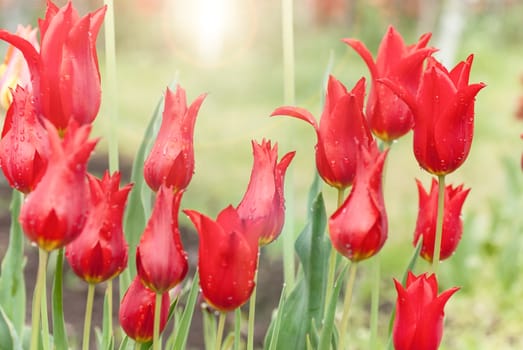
point(182, 332)
point(139, 203)
point(59, 333)
point(277, 321)
point(9, 339)
point(12, 284)
point(326, 336)
point(305, 302)
point(107, 338)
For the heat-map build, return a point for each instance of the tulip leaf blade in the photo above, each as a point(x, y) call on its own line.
point(8, 336)
point(305, 302)
point(182, 332)
point(326, 336)
point(12, 284)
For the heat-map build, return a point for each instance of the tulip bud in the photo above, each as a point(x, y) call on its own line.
point(137, 311)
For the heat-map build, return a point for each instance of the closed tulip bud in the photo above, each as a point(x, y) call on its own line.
point(227, 259)
point(65, 76)
point(418, 324)
point(342, 129)
point(54, 214)
point(160, 258)
point(452, 222)
point(358, 229)
point(100, 252)
point(137, 311)
point(171, 160)
point(24, 147)
point(389, 117)
point(263, 205)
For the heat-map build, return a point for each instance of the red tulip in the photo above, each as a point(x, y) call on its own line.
point(100, 252)
point(54, 214)
point(64, 74)
point(263, 205)
point(160, 259)
point(342, 128)
point(358, 229)
point(24, 147)
point(227, 259)
point(137, 311)
point(14, 70)
point(389, 117)
point(443, 114)
point(418, 324)
point(452, 223)
point(171, 160)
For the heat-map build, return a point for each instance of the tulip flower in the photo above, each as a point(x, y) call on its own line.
point(263, 205)
point(137, 311)
point(389, 117)
point(443, 112)
point(358, 229)
point(161, 261)
point(227, 259)
point(54, 214)
point(419, 313)
point(64, 73)
point(24, 147)
point(452, 222)
point(341, 130)
point(100, 252)
point(14, 70)
point(171, 160)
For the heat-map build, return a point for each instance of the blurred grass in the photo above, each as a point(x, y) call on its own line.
point(244, 89)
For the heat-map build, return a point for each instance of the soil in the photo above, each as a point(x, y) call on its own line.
point(75, 290)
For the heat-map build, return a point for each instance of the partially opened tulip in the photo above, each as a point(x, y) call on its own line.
point(100, 252)
point(161, 261)
point(443, 111)
point(227, 259)
point(358, 229)
point(452, 222)
point(263, 205)
point(342, 129)
point(54, 214)
point(171, 160)
point(64, 73)
point(137, 311)
point(24, 147)
point(418, 324)
point(14, 70)
point(389, 117)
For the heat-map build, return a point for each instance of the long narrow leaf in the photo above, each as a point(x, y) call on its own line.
point(182, 332)
point(12, 284)
point(277, 322)
point(59, 333)
point(8, 336)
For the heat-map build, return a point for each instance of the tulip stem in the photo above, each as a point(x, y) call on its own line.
point(440, 215)
point(219, 332)
point(88, 316)
point(110, 62)
point(252, 310)
point(332, 263)
point(156, 324)
point(346, 305)
point(37, 297)
point(109, 293)
point(374, 302)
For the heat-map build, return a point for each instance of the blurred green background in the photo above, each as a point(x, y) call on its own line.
point(232, 50)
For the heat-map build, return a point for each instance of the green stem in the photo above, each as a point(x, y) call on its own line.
point(109, 292)
point(252, 310)
point(156, 325)
point(289, 267)
point(346, 305)
point(374, 303)
point(237, 328)
point(88, 316)
point(439, 223)
point(219, 332)
point(332, 262)
point(37, 297)
point(111, 97)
